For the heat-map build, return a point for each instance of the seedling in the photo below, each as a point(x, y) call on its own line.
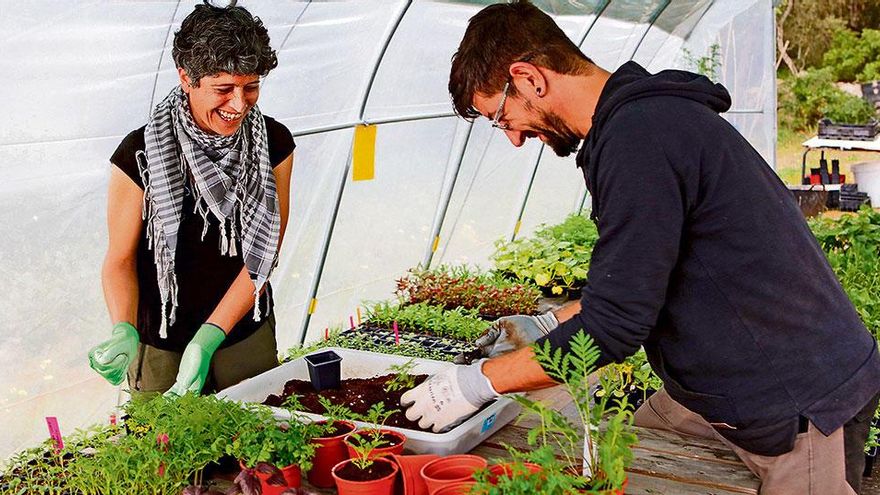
point(403, 379)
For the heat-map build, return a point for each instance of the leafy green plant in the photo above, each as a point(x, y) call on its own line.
point(403, 378)
point(556, 258)
point(607, 450)
point(277, 444)
point(708, 65)
point(452, 287)
point(633, 375)
point(183, 435)
point(461, 324)
point(363, 342)
point(806, 99)
point(854, 56)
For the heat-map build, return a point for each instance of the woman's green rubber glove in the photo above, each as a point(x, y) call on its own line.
point(112, 357)
point(196, 360)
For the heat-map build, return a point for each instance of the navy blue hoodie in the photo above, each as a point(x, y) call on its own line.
point(704, 258)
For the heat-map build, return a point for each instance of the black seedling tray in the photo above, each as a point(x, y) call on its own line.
point(849, 132)
point(385, 336)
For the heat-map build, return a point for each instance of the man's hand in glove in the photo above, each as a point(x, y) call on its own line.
point(196, 360)
point(112, 357)
point(510, 333)
point(446, 399)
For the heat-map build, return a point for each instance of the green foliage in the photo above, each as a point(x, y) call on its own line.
point(521, 481)
point(452, 287)
point(461, 324)
point(403, 378)
point(279, 444)
point(182, 436)
point(363, 342)
point(854, 56)
point(852, 246)
point(556, 258)
point(805, 100)
point(708, 65)
point(610, 445)
point(634, 374)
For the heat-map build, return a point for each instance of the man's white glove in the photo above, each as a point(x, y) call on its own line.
point(510, 333)
point(446, 399)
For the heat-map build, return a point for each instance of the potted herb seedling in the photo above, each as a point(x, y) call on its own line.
point(285, 446)
point(376, 441)
point(365, 473)
point(330, 449)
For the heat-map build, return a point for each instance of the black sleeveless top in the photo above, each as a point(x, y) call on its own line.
point(203, 274)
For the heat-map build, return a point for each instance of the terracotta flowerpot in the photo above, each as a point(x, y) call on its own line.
point(330, 452)
point(498, 470)
point(451, 469)
point(397, 448)
point(410, 472)
point(462, 488)
point(380, 486)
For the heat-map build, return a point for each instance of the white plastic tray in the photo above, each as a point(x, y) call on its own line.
point(362, 364)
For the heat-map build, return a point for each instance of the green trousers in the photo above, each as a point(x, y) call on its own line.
point(153, 371)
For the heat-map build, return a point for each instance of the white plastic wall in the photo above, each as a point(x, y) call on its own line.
point(85, 73)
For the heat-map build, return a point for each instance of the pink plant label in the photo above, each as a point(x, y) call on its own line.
point(113, 419)
point(351, 321)
point(55, 432)
point(396, 334)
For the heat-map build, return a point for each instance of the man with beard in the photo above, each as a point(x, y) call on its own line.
point(693, 262)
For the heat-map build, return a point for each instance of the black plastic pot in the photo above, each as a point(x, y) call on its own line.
point(324, 370)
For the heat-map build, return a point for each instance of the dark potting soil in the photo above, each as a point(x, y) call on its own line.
point(374, 471)
point(357, 394)
point(388, 440)
point(336, 430)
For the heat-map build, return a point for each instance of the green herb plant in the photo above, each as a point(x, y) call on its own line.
point(183, 435)
point(460, 324)
point(364, 442)
point(556, 258)
point(403, 378)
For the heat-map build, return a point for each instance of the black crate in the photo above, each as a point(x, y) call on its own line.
point(848, 132)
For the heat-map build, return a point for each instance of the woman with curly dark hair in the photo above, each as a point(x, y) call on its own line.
point(198, 204)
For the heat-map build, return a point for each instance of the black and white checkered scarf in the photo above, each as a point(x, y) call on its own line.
point(230, 176)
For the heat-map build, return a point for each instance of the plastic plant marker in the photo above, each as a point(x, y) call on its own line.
point(396, 334)
point(364, 153)
point(358, 309)
point(327, 333)
point(55, 432)
point(351, 321)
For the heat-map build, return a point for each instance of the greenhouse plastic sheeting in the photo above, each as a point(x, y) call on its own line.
point(85, 73)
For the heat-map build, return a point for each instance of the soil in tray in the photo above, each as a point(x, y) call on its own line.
point(357, 394)
point(375, 471)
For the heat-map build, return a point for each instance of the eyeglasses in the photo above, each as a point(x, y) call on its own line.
point(495, 120)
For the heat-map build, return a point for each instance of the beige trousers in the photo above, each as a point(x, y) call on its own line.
point(815, 466)
point(153, 371)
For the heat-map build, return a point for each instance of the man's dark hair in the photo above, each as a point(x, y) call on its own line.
point(229, 39)
point(500, 35)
